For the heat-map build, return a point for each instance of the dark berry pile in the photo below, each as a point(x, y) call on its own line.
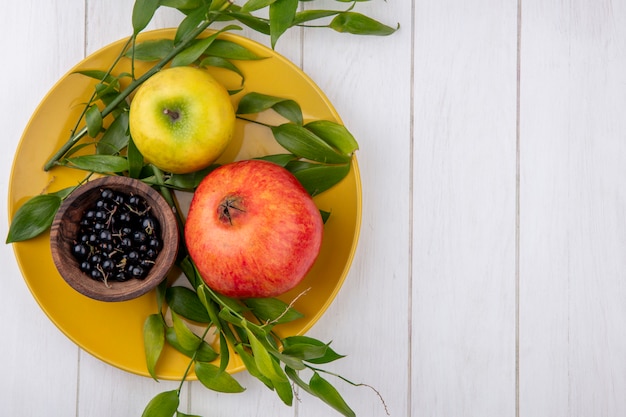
point(118, 239)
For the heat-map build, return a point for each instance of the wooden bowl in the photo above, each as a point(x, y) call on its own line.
point(66, 226)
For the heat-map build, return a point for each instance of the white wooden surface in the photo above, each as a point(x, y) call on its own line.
point(489, 277)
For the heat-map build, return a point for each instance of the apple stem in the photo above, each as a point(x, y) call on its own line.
point(173, 115)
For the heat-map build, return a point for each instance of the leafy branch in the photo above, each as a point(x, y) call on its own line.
point(319, 153)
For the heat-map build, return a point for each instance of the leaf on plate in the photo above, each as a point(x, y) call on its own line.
point(217, 380)
point(102, 164)
point(272, 310)
point(257, 102)
point(197, 48)
point(186, 303)
point(135, 159)
point(219, 62)
point(164, 404)
point(317, 178)
point(33, 218)
point(187, 339)
point(279, 159)
point(226, 49)
point(335, 134)
point(154, 340)
point(189, 182)
point(93, 117)
point(203, 353)
point(151, 50)
point(305, 144)
point(99, 75)
point(115, 138)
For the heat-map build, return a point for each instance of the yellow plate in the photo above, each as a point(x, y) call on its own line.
point(113, 331)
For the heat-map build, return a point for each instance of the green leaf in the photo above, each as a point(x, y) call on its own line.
point(186, 303)
point(317, 178)
point(214, 379)
point(231, 303)
point(189, 181)
point(309, 15)
point(179, 414)
point(99, 163)
point(151, 50)
point(263, 360)
point(329, 355)
point(252, 5)
point(293, 375)
point(359, 24)
point(181, 4)
point(290, 110)
point(283, 387)
point(335, 134)
point(228, 316)
point(164, 404)
point(154, 340)
point(107, 92)
point(99, 75)
point(305, 144)
point(329, 394)
point(143, 11)
point(272, 310)
point(134, 158)
point(250, 364)
point(33, 218)
point(190, 271)
point(189, 23)
point(305, 351)
point(187, 339)
point(226, 49)
point(64, 192)
point(93, 117)
point(197, 48)
point(289, 361)
point(257, 102)
point(325, 215)
point(256, 23)
point(193, 52)
point(224, 352)
point(282, 13)
point(279, 159)
point(218, 62)
point(160, 294)
point(203, 353)
point(115, 138)
point(209, 305)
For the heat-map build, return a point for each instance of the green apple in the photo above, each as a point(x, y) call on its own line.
point(181, 119)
